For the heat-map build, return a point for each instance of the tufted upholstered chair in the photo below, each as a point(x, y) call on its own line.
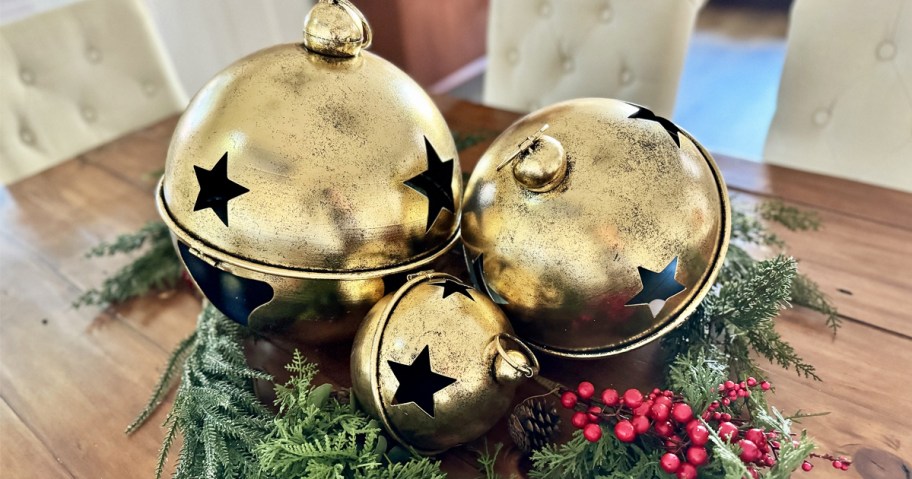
point(544, 51)
point(845, 99)
point(77, 77)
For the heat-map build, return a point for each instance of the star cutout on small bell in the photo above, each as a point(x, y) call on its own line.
point(216, 190)
point(435, 183)
point(658, 287)
point(454, 287)
point(646, 114)
point(418, 383)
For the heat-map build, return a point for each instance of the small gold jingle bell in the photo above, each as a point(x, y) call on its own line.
point(437, 363)
point(306, 179)
point(608, 233)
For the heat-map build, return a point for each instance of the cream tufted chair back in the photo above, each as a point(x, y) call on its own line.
point(845, 99)
point(77, 77)
point(544, 51)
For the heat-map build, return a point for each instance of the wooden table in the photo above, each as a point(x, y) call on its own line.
point(71, 380)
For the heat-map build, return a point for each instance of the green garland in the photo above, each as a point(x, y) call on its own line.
point(228, 433)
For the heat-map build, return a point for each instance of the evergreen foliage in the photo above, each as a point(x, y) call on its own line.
point(157, 268)
point(215, 410)
point(315, 436)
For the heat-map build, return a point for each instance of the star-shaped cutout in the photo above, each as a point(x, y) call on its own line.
point(436, 183)
point(657, 287)
point(454, 287)
point(646, 114)
point(418, 383)
point(216, 190)
point(476, 271)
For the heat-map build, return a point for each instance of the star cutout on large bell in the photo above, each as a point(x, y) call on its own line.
point(216, 190)
point(646, 114)
point(657, 287)
point(436, 183)
point(454, 287)
point(418, 383)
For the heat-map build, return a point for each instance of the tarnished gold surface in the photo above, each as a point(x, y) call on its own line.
point(336, 28)
point(469, 340)
point(324, 145)
point(566, 261)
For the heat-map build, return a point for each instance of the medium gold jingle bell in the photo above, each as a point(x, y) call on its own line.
point(437, 363)
point(597, 225)
point(303, 176)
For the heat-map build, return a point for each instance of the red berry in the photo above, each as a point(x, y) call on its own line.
point(663, 400)
point(728, 431)
point(742, 384)
point(624, 431)
point(751, 382)
point(659, 412)
point(699, 435)
point(726, 416)
point(692, 424)
point(670, 462)
point(667, 393)
point(633, 398)
point(640, 424)
point(845, 467)
point(806, 466)
point(594, 411)
point(753, 472)
point(585, 389)
point(749, 451)
point(579, 419)
point(729, 384)
point(568, 399)
point(610, 397)
point(717, 416)
point(755, 435)
point(687, 471)
point(664, 429)
point(642, 409)
point(681, 412)
point(726, 401)
point(592, 432)
point(837, 464)
point(696, 455)
point(765, 385)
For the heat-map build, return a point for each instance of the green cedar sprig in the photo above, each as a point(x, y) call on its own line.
point(316, 436)
point(215, 409)
point(156, 269)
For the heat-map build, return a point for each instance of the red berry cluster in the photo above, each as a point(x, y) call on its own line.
point(665, 417)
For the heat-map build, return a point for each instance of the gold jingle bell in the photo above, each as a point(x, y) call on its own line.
point(597, 225)
point(303, 176)
point(437, 363)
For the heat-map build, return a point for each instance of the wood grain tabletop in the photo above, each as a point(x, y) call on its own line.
point(71, 380)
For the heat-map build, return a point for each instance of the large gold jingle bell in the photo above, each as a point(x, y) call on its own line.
point(437, 363)
point(597, 225)
point(306, 180)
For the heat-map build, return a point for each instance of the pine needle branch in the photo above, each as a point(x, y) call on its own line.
point(156, 269)
point(165, 382)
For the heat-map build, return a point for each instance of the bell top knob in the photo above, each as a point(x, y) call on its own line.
point(336, 28)
point(513, 364)
point(540, 162)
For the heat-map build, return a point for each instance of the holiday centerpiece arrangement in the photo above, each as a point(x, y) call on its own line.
point(313, 194)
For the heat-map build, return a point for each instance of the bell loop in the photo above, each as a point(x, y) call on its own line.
point(528, 370)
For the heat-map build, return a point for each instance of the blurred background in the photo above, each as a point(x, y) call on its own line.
point(714, 66)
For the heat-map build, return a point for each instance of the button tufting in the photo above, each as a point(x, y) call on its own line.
point(626, 77)
point(27, 137)
point(822, 116)
point(545, 9)
point(149, 88)
point(93, 54)
point(512, 56)
point(886, 50)
point(27, 76)
point(88, 113)
point(607, 14)
point(568, 65)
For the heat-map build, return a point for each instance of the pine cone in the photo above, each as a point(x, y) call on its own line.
point(533, 424)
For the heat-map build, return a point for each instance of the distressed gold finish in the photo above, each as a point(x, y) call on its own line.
point(469, 340)
point(565, 262)
point(322, 136)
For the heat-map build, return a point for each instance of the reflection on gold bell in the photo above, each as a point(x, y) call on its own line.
point(437, 363)
point(306, 179)
point(606, 232)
